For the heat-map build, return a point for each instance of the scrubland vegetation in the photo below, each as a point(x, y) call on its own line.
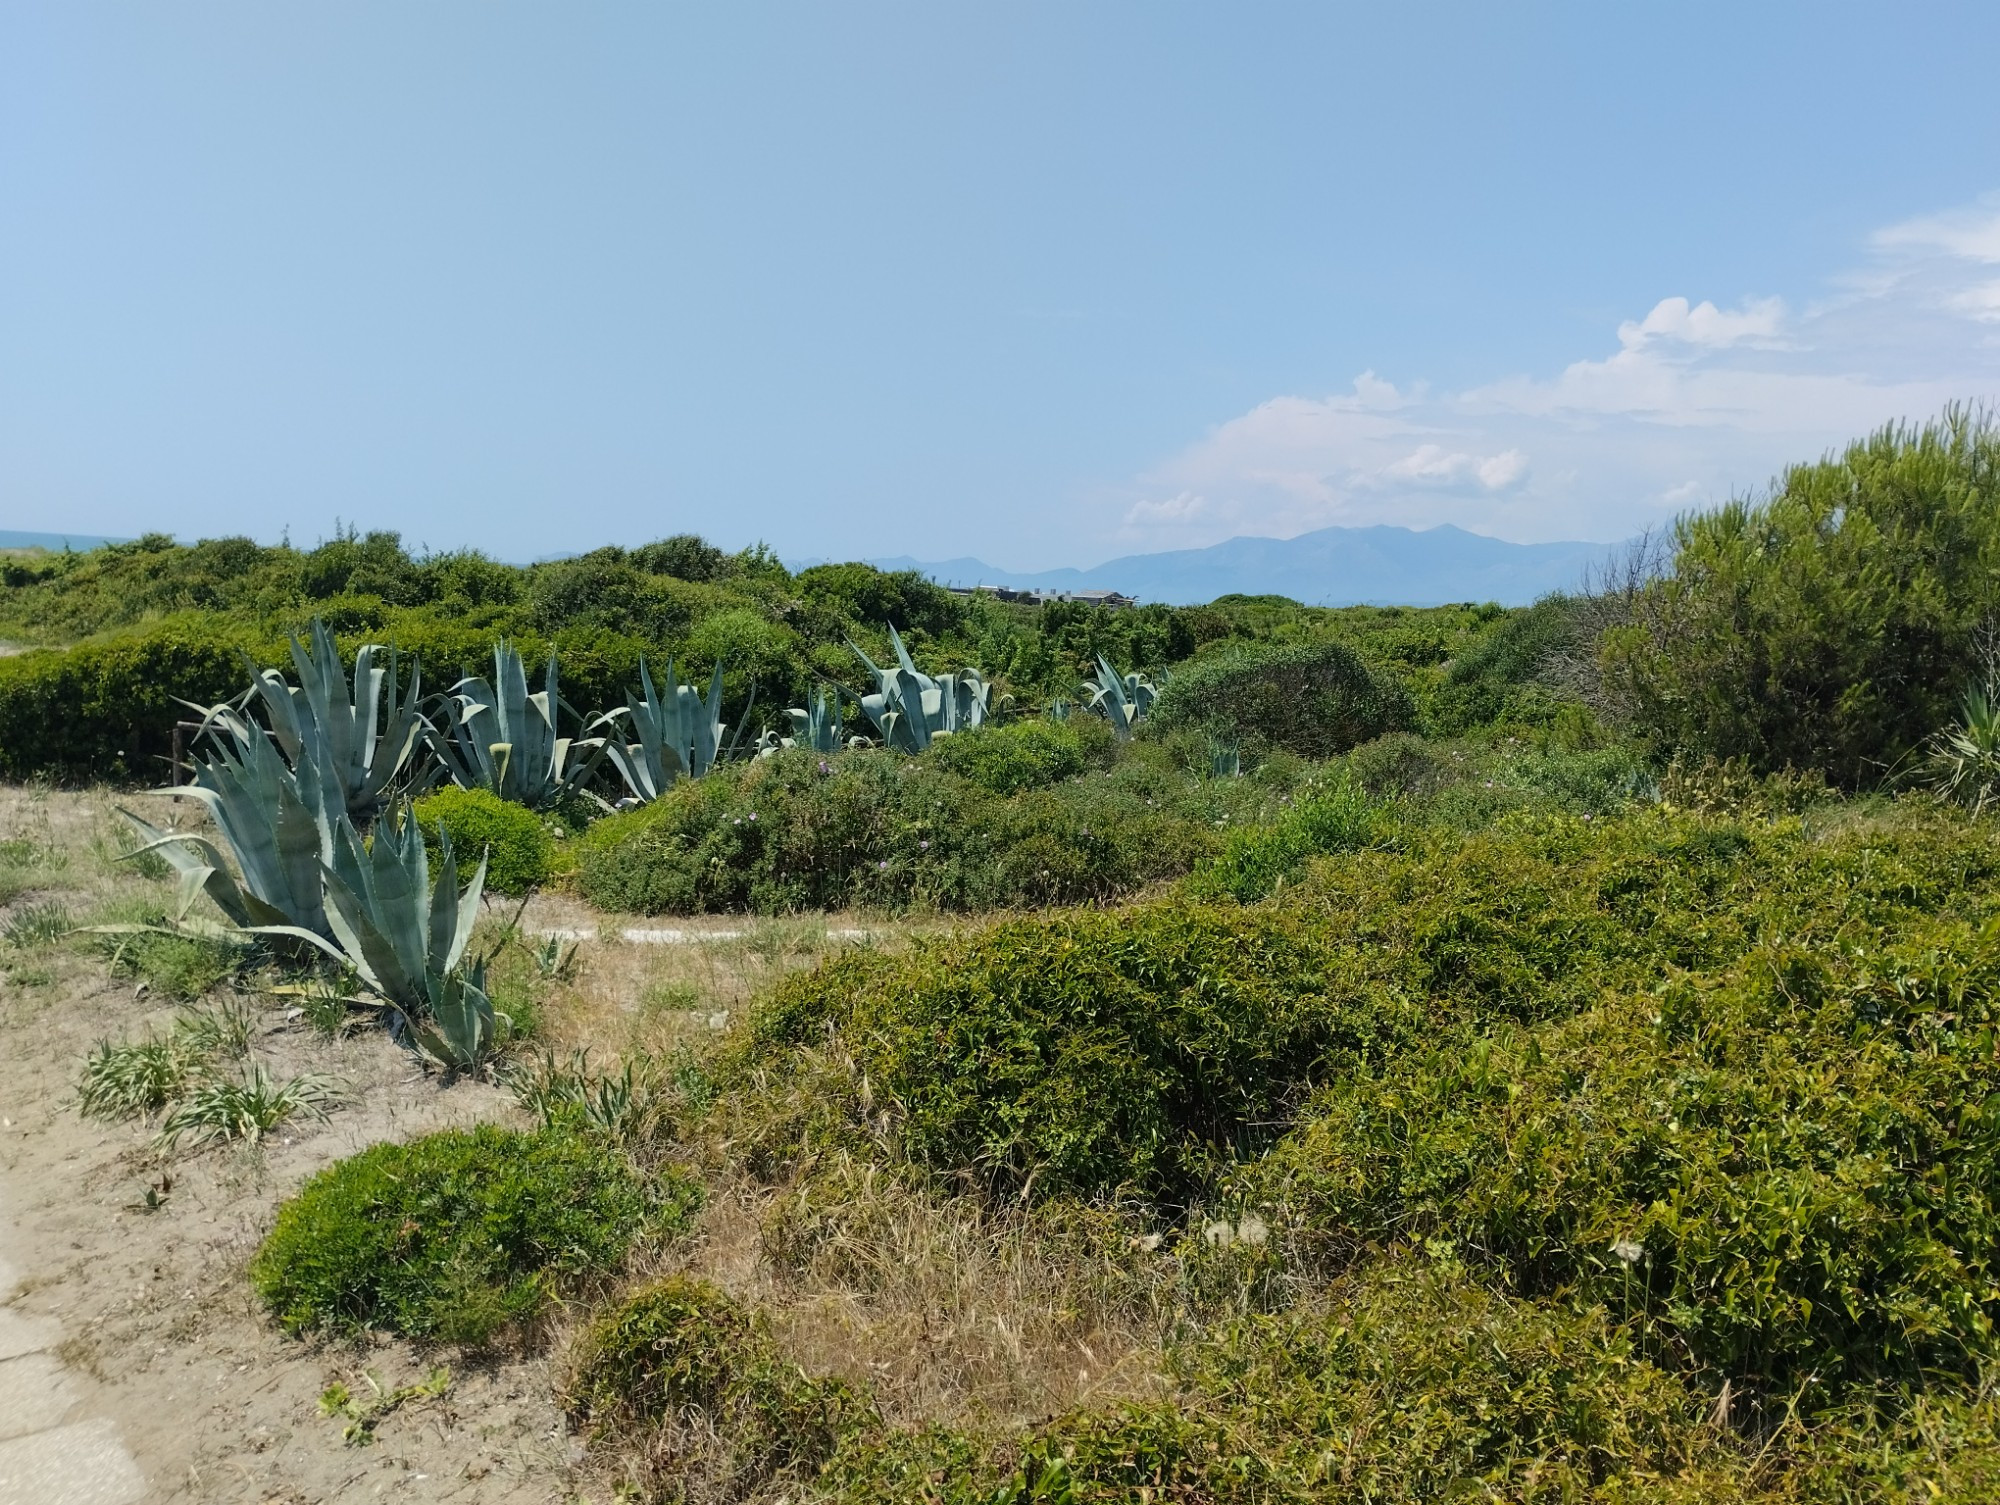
point(1367, 1054)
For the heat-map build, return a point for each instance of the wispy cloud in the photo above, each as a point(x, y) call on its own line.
point(1696, 400)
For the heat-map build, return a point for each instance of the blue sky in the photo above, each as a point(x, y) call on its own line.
point(1040, 282)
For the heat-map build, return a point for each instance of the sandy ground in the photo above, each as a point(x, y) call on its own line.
point(148, 1317)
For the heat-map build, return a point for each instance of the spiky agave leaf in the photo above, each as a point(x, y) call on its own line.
point(1123, 699)
point(321, 719)
point(493, 734)
point(401, 935)
point(910, 708)
point(276, 821)
point(460, 1028)
point(680, 733)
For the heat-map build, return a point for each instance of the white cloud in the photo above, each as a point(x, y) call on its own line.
point(1434, 465)
point(1695, 402)
point(1972, 232)
point(1175, 509)
point(1981, 302)
point(1704, 324)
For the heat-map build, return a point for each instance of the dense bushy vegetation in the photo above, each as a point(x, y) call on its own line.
point(144, 622)
point(1835, 624)
point(518, 848)
point(1312, 699)
point(1542, 1055)
point(1538, 1142)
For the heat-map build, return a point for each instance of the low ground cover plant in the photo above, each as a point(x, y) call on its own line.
point(457, 1234)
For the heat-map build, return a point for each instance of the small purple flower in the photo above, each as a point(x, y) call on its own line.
point(882, 866)
point(924, 846)
point(753, 814)
point(824, 767)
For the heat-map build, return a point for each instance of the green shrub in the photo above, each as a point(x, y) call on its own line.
point(515, 841)
point(106, 708)
point(1402, 765)
point(1833, 625)
point(456, 1234)
point(1765, 1167)
point(681, 1346)
point(1314, 699)
point(801, 831)
point(1337, 818)
point(1088, 1052)
point(1007, 759)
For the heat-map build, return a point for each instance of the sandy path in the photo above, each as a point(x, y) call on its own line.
point(53, 1449)
point(131, 1337)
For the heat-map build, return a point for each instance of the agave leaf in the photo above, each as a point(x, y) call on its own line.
point(679, 732)
point(498, 736)
point(460, 1027)
point(909, 707)
point(198, 865)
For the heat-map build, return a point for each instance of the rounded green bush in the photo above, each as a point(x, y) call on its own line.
point(456, 1234)
point(1315, 699)
point(519, 850)
point(1004, 759)
point(679, 1342)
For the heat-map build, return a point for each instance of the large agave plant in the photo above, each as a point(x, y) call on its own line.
point(406, 938)
point(910, 708)
point(495, 735)
point(680, 734)
point(1124, 699)
point(344, 730)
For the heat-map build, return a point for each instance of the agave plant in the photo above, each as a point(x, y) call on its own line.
point(495, 735)
point(1225, 759)
point(1963, 761)
point(405, 938)
point(1124, 699)
point(277, 821)
point(909, 708)
point(817, 727)
point(344, 731)
point(680, 734)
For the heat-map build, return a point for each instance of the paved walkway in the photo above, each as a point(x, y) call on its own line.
point(639, 936)
point(49, 1455)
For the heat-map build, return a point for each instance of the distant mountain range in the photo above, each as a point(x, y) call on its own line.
point(1384, 565)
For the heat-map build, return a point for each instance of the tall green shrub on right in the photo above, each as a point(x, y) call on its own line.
point(1314, 699)
point(1834, 625)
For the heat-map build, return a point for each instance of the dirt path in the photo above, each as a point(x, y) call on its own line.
point(53, 1449)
